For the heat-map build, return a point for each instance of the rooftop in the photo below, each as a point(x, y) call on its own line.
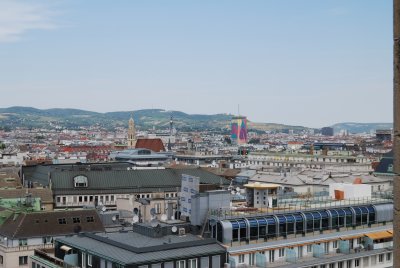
point(292, 205)
point(130, 247)
point(52, 223)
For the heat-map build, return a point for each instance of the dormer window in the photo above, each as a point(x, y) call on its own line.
point(80, 181)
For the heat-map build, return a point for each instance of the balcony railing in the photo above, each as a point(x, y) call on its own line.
point(5, 248)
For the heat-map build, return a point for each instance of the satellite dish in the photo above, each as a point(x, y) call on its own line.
point(114, 218)
point(135, 219)
point(174, 229)
point(103, 208)
point(172, 218)
point(233, 192)
point(237, 189)
point(164, 217)
point(135, 211)
point(153, 211)
point(154, 223)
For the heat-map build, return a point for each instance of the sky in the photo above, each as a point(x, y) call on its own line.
point(312, 63)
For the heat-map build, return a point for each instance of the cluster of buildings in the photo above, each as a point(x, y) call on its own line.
point(92, 198)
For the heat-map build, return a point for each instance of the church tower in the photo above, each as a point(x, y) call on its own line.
point(131, 133)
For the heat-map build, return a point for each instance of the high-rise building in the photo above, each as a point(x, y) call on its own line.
point(327, 131)
point(239, 130)
point(131, 133)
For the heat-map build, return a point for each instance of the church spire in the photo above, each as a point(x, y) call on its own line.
point(131, 133)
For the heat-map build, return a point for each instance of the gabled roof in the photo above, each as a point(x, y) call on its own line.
point(156, 145)
point(41, 224)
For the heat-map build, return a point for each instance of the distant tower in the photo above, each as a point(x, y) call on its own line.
point(171, 127)
point(131, 133)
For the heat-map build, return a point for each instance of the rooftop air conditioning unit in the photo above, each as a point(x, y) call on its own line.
point(182, 231)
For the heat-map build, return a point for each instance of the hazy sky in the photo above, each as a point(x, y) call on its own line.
point(310, 63)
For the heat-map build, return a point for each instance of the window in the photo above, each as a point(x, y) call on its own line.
point(76, 220)
point(380, 258)
point(331, 265)
point(23, 242)
point(349, 264)
point(335, 243)
point(80, 199)
point(89, 260)
point(252, 258)
point(389, 256)
point(62, 221)
point(47, 240)
point(326, 247)
point(271, 255)
point(58, 199)
point(241, 258)
point(281, 252)
point(90, 219)
point(23, 260)
point(181, 264)
point(83, 259)
point(192, 263)
point(309, 248)
point(300, 252)
point(205, 262)
point(80, 181)
point(1, 259)
point(157, 206)
point(357, 263)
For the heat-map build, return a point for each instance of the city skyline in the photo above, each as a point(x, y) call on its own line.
point(312, 64)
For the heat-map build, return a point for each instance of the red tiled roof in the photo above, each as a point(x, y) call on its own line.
point(155, 145)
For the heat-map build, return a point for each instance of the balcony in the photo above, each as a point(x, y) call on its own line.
point(4, 248)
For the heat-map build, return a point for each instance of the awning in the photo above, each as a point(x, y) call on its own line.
point(351, 237)
point(65, 248)
point(380, 235)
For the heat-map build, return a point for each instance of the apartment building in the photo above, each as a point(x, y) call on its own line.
point(324, 236)
point(23, 232)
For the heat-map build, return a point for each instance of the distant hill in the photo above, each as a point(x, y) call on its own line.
point(361, 127)
point(17, 116)
point(28, 117)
